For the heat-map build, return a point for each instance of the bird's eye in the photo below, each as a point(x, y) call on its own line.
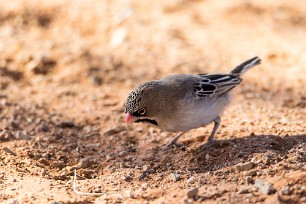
point(142, 111)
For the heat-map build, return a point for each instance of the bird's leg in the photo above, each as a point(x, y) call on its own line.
point(173, 142)
point(211, 141)
point(217, 122)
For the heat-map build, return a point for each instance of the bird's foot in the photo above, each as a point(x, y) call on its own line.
point(171, 145)
point(209, 144)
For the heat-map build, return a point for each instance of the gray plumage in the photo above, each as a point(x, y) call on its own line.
point(181, 102)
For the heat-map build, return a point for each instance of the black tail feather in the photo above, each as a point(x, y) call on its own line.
point(245, 66)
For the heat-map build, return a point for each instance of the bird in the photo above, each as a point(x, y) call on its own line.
point(182, 102)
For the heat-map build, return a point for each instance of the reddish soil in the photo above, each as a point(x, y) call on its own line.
point(66, 68)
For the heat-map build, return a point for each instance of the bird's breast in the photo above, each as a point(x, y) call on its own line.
point(193, 114)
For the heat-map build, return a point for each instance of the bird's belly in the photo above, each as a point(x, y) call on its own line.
point(195, 116)
point(194, 121)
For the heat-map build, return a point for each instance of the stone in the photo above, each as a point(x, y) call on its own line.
point(5, 135)
point(245, 166)
point(249, 179)
point(286, 190)
point(174, 177)
point(264, 187)
point(6, 149)
point(252, 172)
point(243, 190)
point(191, 180)
point(191, 193)
point(113, 131)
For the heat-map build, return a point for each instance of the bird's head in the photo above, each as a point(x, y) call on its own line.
point(141, 104)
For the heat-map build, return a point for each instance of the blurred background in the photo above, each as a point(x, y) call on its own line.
point(66, 68)
point(109, 47)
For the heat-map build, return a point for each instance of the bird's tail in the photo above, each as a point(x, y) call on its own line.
point(245, 66)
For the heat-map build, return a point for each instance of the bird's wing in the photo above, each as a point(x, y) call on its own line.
point(215, 85)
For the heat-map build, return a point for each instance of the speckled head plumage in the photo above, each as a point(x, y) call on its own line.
point(133, 99)
point(137, 102)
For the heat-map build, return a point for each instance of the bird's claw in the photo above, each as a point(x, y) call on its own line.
point(209, 144)
point(172, 145)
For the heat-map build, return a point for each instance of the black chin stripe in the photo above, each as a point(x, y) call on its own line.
point(147, 120)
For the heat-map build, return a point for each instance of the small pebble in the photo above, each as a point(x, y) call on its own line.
point(21, 135)
point(286, 190)
point(250, 173)
point(113, 131)
point(192, 192)
point(148, 170)
point(144, 186)
point(44, 161)
point(208, 156)
point(243, 190)
point(66, 124)
point(267, 160)
point(130, 194)
point(264, 187)
point(202, 181)
point(174, 177)
point(5, 135)
point(249, 179)
point(191, 180)
point(6, 149)
point(127, 178)
point(85, 162)
point(245, 166)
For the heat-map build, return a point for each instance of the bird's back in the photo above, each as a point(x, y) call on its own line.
point(179, 86)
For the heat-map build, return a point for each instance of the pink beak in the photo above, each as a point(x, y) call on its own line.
point(129, 119)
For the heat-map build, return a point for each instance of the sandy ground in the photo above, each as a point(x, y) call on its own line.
point(66, 68)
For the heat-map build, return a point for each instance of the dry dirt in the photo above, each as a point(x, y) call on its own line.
point(66, 68)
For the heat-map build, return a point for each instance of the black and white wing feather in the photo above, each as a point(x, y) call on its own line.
point(215, 85)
